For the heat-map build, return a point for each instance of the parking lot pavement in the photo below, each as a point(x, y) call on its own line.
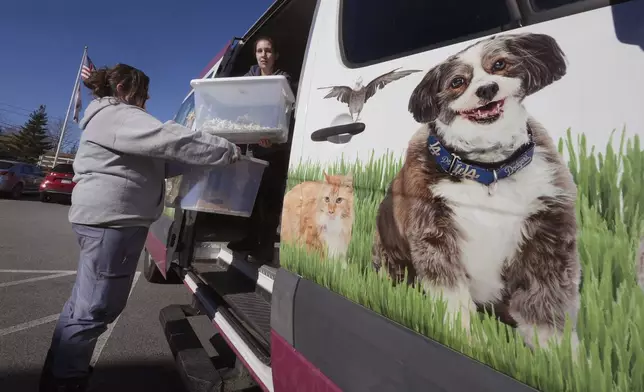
point(38, 257)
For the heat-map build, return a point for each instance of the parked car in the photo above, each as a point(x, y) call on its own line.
point(59, 181)
point(17, 178)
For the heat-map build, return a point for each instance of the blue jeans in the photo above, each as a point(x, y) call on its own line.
point(108, 261)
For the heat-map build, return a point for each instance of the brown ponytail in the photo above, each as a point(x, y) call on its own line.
point(98, 83)
point(105, 82)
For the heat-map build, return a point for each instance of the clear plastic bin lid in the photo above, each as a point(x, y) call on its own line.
point(244, 88)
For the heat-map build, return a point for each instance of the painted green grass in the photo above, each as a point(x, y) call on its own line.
point(610, 210)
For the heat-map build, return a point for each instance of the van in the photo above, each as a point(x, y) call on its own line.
point(412, 257)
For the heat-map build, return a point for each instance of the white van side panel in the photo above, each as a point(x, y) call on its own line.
point(600, 92)
point(464, 238)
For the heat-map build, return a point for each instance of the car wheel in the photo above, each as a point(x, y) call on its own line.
point(153, 274)
point(16, 192)
point(45, 197)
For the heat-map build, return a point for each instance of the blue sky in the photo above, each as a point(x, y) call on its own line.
point(41, 44)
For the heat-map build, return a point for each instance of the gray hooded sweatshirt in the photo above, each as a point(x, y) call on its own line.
point(124, 156)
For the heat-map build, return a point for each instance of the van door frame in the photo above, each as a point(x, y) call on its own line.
point(185, 220)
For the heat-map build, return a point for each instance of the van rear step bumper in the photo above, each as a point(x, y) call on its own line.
point(195, 367)
point(199, 372)
point(245, 347)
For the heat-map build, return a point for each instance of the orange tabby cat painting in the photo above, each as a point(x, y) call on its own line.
point(319, 215)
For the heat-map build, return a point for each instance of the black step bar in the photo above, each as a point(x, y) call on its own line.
point(195, 367)
point(247, 349)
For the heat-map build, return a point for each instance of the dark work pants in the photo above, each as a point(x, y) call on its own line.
point(106, 268)
point(267, 211)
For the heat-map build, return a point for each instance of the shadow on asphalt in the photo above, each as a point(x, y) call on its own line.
point(34, 197)
point(127, 376)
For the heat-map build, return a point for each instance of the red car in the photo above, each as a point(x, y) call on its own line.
point(58, 182)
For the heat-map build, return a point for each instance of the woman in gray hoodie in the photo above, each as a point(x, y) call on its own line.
point(122, 160)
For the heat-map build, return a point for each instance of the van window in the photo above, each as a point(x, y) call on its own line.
point(541, 5)
point(376, 30)
point(186, 107)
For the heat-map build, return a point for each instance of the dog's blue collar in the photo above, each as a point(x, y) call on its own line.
point(484, 173)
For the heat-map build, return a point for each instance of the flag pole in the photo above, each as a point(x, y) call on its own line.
point(71, 102)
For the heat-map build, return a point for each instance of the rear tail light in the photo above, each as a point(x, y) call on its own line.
point(6, 173)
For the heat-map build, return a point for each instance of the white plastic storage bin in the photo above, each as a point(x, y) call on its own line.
point(244, 109)
point(228, 190)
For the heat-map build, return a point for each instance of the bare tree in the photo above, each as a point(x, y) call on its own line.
point(54, 130)
point(4, 141)
point(6, 131)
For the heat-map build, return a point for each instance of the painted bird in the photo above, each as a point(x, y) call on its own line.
point(357, 96)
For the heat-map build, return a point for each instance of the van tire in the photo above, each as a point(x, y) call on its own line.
point(153, 274)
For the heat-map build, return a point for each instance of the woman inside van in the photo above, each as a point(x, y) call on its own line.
point(120, 166)
point(265, 218)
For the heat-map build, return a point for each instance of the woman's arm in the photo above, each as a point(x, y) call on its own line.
point(139, 133)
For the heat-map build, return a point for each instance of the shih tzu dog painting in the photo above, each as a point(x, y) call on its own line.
point(483, 210)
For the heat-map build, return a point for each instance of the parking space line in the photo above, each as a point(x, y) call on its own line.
point(39, 278)
point(102, 340)
point(28, 324)
point(19, 271)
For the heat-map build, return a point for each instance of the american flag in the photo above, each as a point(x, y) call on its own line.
point(86, 70)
